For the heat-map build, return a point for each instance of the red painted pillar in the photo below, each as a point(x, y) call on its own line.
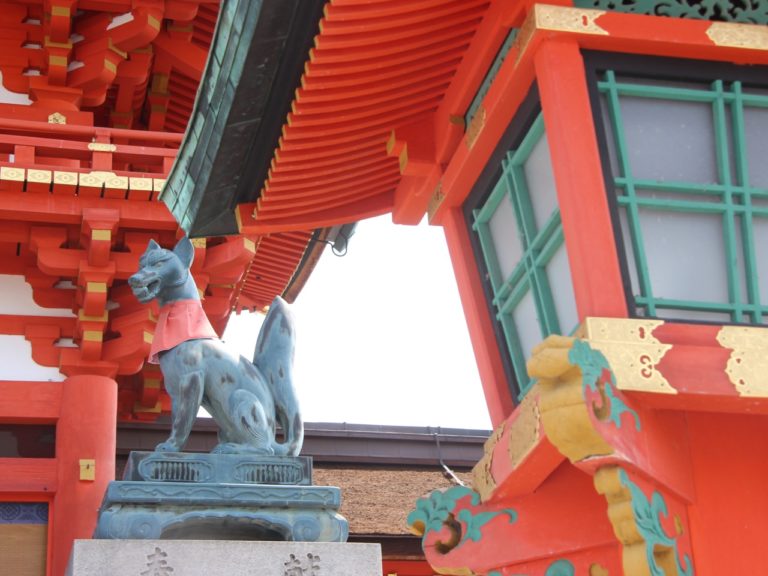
point(86, 431)
point(484, 344)
point(587, 227)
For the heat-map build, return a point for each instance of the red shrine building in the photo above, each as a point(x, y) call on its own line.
point(598, 170)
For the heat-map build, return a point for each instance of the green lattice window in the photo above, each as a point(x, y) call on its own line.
point(689, 172)
point(748, 11)
point(521, 239)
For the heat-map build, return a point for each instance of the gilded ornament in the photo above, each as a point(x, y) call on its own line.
point(636, 520)
point(660, 550)
point(69, 178)
point(101, 147)
point(475, 127)
point(565, 415)
point(597, 377)
point(97, 179)
point(632, 351)
point(144, 184)
point(435, 201)
point(524, 429)
point(747, 11)
point(39, 176)
point(748, 363)
point(11, 174)
point(57, 118)
point(482, 477)
point(566, 19)
point(87, 469)
point(734, 35)
point(524, 36)
point(402, 160)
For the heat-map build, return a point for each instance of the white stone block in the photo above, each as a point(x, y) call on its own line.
point(222, 558)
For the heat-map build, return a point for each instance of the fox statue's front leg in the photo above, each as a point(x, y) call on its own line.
point(185, 387)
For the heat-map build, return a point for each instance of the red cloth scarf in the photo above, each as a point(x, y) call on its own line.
point(178, 322)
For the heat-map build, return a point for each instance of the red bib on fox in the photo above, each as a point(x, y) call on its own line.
point(178, 322)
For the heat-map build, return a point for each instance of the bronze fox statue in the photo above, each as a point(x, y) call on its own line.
point(247, 399)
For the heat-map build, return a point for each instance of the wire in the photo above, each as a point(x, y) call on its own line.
point(447, 472)
point(336, 252)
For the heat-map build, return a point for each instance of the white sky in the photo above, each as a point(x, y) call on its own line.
point(381, 336)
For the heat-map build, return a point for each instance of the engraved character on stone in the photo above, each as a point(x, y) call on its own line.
point(297, 567)
point(157, 564)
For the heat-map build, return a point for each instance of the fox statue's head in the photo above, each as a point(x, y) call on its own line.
point(164, 274)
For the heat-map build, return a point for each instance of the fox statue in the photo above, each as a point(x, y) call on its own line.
point(247, 399)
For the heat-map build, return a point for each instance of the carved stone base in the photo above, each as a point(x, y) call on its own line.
point(222, 558)
point(221, 511)
point(229, 468)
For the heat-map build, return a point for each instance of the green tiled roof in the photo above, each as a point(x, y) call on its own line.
point(253, 68)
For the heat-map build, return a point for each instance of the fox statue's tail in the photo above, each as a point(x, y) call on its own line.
point(274, 359)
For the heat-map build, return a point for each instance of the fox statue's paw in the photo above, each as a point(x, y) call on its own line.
point(167, 446)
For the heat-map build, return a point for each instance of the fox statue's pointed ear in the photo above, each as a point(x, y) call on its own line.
point(185, 251)
point(152, 245)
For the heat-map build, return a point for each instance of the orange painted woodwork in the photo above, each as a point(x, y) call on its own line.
point(579, 179)
point(564, 513)
point(29, 402)
point(100, 94)
point(27, 476)
point(86, 430)
point(492, 374)
point(728, 459)
point(374, 69)
point(500, 103)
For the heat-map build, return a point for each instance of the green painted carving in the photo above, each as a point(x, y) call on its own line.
point(436, 511)
point(746, 11)
point(648, 515)
point(476, 521)
point(593, 366)
point(433, 511)
point(560, 568)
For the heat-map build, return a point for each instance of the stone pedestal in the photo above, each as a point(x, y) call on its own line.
point(180, 496)
point(222, 558)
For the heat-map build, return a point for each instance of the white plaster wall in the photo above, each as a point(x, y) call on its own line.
point(8, 97)
point(16, 362)
point(16, 298)
point(15, 351)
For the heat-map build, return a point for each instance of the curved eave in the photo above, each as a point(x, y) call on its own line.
point(375, 68)
point(304, 140)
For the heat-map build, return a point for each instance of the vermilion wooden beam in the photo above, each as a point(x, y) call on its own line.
point(28, 475)
point(29, 402)
point(581, 193)
point(17, 324)
point(47, 208)
point(512, 83)
point(490, 366)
